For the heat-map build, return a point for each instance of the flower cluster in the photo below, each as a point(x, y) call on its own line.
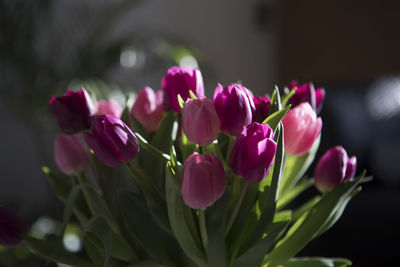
point(234, 148)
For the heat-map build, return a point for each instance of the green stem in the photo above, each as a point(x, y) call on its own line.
point(138, 172)
point(82, 183)
point(203, 228)
point(230, 144)
point(236, 208)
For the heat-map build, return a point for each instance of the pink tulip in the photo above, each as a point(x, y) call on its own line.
point(109, 107)
point(70, 153)
point(73, 111)
point(333, 168)
point(112, 141)
point(301, 129)
point(12, 228)
point(234, 105)
point(262, 105)
point(253, 152)
point(148, 108)
point(200, 121)
point(307, 93)
point(179, 80)
point(203, 180)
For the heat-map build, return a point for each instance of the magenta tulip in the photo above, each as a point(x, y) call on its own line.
point(234, 105)
point(200, 121)
point(112, 141)
point(333, 168)
point(148, 109)
point(71, 153)
point(73, 111)
point(301, 129)
point(179, 80)
point(307, 93)
point(262, 105)
point(253, 152)
point(109, 107)
point(12, 228)
point(203, 180)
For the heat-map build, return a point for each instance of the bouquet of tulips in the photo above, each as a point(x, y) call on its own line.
point(210, 180)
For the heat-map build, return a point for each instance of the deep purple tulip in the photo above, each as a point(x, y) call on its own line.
point(253, 152)
point(302, 128)
point(71, 153)
point(73, 111)
point(109, 107)
point(234, 105)
point(307, 93)
point(262, 105)
point(333, 168)
point(148, 108)
point(179, 80)
point(203, 180)
point(200, 121)
point(12, 228)
point(112, 141)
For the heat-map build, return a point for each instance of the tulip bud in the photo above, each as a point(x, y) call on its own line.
point(112, 141)
point(73, 111)
point(179, 80)
point(234, 105)
point(71, 153)
point(307, 93)
point(262, 105)
point(200, 121)
point(333, 168)
point(253, 152)
point(109, 107)
point(302, 128)
point(148, 108)
point(12, 228)
point(203, 180)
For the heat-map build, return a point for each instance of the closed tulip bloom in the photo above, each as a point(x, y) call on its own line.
point(234, 105)
point(148, 108)
point(112, 141)
point(71, 153)
point(179, 80)
point(73, 111)
point(262, 105)
point(302, 128)
point(12, 228)
point(307, 93)
point(200, 121)
point(203, 180)
point(109, 107)
point(333, 168)
point(253, 152)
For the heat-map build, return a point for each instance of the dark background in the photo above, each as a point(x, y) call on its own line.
point(351, 48)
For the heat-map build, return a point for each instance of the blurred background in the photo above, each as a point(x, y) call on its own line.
point(351, 48)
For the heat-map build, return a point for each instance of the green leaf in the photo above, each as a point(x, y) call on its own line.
point(151, 149)
point(55, 252)
point(154, 197)
point(255, 255)
point(62, 190)
point(274, 119)
point(97, 230)
point(181, 220)
point(216, 216)
point(317, 262)
point(276, 103)
point(305, 208)
point(294, 192)
point(140, 224)
point(162, 140)
point(339, 212)
point(296, 167)
point(287, 97)
point(314, 220)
